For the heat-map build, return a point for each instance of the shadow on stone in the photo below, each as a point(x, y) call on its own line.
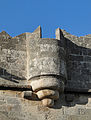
point(5, 75)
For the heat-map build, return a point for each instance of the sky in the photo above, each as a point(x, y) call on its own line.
point(19, 16)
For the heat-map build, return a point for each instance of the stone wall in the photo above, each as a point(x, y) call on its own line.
point(69, 107)
point(28, 57)
point(13, 58)
point(78, 62)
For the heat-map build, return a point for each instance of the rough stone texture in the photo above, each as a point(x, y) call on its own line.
point(13, 59)
point(50, 63)
point(47, 102)
point(47, 82)
point(14, 107)
point(54, 94)
point(78, 52)
point(46, 57)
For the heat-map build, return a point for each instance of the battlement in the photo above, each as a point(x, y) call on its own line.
point(38, 73)
point(22, 54)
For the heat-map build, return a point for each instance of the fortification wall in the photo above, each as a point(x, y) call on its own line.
point(14, 107)
point(45, 79)
point(13, 58)
point(78, 62)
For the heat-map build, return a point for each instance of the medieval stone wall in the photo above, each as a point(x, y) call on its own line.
point(13, 58)
point(78, 62)
point(59, 69)
point(69, 107)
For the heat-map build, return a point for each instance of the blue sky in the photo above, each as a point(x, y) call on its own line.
point(19, 16)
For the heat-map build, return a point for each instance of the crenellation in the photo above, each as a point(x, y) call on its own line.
point(45, 78)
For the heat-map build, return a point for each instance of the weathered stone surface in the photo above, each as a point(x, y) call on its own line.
point(18, 108)
point(59, 34)
point(46, 57)
point(43, 83)
point(48, 102)
point(31, 65)
point(78, 62)
point(46, 93)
